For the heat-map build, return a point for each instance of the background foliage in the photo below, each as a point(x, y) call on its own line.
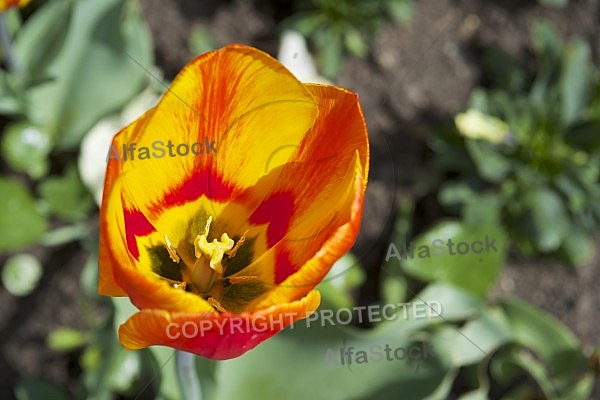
point(520, 164)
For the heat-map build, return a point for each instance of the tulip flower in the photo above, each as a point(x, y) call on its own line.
point(220, 238)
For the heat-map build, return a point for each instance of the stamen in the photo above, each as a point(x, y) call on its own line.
point(231, 253)
point(207, 226)
point(171, 250)
point(201, 277)
point(215, 304)
point(237, 279)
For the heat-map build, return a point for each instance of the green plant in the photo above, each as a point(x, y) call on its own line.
point(529, 147)
point(75, 67)
point(500, 346)
point(336, 27)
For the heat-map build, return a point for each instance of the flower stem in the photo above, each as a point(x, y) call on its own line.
point(187, 376)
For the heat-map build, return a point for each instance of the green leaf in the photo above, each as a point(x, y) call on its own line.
point(355, 43)
point(88, 280)
point(94, 72)
point(40, 40)
point(577, 247)
point(66, 196)
point(66, 339)
point(484, 209)
point(96, 360)
point(475, 395)
point(308, 348)
point(394, 288)
point(20, 222)
point(504, 71)
point(547, 41)
point(477, 340)
point(91, 358)
point(457, 304)
point(545, 221)
point(490, 162)
point(436, 255)
point(21, 274)
point(200, 41)
point(402, 11)
point(558, 349)
point(548, 48)
point(123, 370)
point(575, 80)
point(584, 136)
point(25, 148)
point(330, 52)
point(207, 372)
point(456, 193)
point(305, 348)
point(36, 389)
point(66, 234)
point(308, 23)
point(537, 370)
point(169, 384)
point(570, 188)
point(345, 276)
point(12, 98)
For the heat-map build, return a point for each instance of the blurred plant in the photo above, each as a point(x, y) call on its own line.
point(73, 62)
point(504, 347)
point(337, 27)
point(74, 68)
point(529, 148)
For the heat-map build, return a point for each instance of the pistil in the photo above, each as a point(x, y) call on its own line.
point(207, 268)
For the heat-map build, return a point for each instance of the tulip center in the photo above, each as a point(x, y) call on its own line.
point(207, 271)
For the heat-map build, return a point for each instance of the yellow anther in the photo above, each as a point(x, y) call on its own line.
point(239, 279)
point(171, 250)
point(215, 304)
point(207, 226)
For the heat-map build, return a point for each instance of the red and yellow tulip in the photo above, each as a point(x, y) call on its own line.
point(6, 4)
point(241, 234)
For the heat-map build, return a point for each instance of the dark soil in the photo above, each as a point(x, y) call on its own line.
point(417, 77)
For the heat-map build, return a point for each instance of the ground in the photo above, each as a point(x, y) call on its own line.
point(416, 76)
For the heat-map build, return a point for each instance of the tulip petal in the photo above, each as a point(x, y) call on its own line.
point(216, 337)
point(326, 184)
point(316, 268)
point(238, 101)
